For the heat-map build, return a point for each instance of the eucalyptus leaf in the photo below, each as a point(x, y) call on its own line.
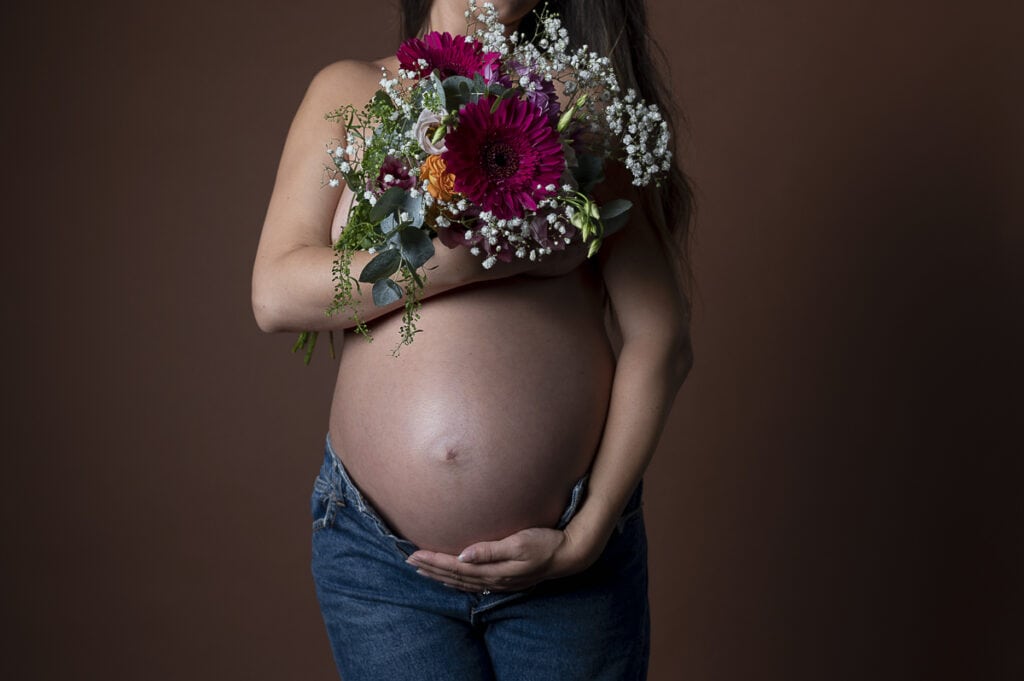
point(417, 248)
point(615, 215)
point(389, 224)
point(386, 292)
point(413, 205)
point(456, 91)
point(589, 171)
point(389, 202)
point(383, 265)
point(435, 80)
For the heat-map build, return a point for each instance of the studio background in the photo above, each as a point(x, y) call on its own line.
point(837, 494)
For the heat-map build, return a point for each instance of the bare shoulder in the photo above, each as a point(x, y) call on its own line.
point(348, 81)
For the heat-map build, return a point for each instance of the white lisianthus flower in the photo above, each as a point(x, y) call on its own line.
point(425, 126)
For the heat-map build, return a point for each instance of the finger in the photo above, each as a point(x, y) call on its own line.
point(458, 582)
point(500, 579)
point(443, 561)
point(489, 576)
point(432, 558)
point(492, 551)
point(478, 586)
point(497, 572)
point(458, 574)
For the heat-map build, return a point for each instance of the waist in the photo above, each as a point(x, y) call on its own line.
point(335, 481)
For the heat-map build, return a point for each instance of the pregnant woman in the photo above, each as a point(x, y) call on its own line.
point(478, 512)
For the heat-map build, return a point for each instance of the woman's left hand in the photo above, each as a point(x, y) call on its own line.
point(511, 564)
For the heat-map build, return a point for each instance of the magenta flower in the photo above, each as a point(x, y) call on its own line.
point(545, 236)
point(456, 236)
point(394, 173)
point(542, 94)
point(507, 160)
point(448, 55)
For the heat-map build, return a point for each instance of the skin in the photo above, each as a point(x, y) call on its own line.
point(458, 472)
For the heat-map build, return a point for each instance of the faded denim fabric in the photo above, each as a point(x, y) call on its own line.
point(386, 622)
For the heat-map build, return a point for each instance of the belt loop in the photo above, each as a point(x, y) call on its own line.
point(337, 477)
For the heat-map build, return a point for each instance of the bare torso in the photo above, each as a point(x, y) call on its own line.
point(481, 426)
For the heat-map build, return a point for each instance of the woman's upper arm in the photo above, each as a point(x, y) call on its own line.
point(301, 208)
point(651, 313)
point(642, 283)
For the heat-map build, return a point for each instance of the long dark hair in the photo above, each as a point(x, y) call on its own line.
point(618, 28)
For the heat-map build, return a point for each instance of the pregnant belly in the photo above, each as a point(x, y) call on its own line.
point(482, 426)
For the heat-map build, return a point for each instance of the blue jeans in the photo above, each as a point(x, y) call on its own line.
point(386, 622)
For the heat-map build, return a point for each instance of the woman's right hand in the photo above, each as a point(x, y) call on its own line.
point(293, 273)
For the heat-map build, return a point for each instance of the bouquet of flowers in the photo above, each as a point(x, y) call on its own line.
point(471, 144)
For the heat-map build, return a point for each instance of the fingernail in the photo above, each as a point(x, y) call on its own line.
point(421, 572)
point(466, 557)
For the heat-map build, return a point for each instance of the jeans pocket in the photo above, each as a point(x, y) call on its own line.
point(323, 504)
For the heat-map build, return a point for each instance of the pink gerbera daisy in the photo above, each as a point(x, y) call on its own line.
point(506, 160)
point(448, 55)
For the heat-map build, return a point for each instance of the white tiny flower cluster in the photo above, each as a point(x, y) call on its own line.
point(494, 237)
point(589, 80)
point(594, 118)
point(644, 134)
point(491, 33)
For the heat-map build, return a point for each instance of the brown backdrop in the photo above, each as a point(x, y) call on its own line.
point(837, 495)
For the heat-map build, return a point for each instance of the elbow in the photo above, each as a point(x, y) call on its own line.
point(679, 346)
point(680, 357)
point(668, 350)
point(266, 320)
point(266, 309)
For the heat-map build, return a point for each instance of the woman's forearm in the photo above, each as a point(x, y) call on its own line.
point(293, 291)
point(293, 282)
point(648, 375)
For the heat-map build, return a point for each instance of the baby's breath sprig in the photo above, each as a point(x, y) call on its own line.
point(401, 158)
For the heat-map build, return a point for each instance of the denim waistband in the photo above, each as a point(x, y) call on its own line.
point(345, 491)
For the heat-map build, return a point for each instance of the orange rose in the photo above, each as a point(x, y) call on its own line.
point(440, 183)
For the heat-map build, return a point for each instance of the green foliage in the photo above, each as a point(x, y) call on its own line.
point(343, 287)
point(381, 267)
point(415, 246)
point(397, 227)
point(413, 284)
point(588, 172)
point(614, 215)
point(386, 292)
